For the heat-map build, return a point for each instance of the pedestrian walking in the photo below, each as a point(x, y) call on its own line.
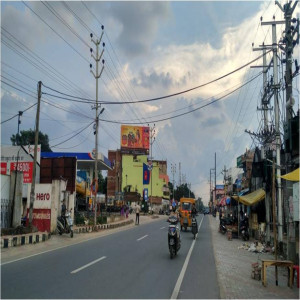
point(137, 214)
point(127, 211)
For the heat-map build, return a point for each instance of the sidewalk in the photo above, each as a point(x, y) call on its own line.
point(234, 270)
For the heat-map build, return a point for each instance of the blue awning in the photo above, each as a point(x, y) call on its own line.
point(244, 192)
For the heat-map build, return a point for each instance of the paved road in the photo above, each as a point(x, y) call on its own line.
point(132, 263)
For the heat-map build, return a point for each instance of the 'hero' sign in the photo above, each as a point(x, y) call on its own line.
point(41, 206)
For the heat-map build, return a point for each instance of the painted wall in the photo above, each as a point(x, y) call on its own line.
point(133, 168)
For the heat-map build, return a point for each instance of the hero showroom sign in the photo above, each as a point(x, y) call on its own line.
point(41, 207)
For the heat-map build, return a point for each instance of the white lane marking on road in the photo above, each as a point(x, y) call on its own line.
point(87, 265)
point(58, 248)
point(142, 237)
point(181, 275)
point(163, 227)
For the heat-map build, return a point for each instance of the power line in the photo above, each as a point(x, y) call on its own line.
point(152, 99)
point(191, 111)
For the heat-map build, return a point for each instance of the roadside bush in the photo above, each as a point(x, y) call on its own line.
point(79, 220)
point(102, 220)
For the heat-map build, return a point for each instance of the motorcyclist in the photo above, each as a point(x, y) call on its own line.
point(194, 211)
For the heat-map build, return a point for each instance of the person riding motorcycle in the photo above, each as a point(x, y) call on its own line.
point(194, 211)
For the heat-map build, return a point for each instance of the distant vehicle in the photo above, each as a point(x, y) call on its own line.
point(206, 211)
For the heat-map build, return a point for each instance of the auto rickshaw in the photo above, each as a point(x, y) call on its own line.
point(185, 212)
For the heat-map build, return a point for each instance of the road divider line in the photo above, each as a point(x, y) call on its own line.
point(87, 265)
point(183, 270)
point(142, 237)
point(162, 227)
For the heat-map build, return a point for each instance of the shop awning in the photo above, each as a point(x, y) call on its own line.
point(251, 198)
point(292, 176)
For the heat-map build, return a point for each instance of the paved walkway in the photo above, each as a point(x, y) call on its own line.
point(234, 270)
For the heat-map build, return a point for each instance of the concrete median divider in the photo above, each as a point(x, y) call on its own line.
point(24, 239)
point(89, 228)
point(38, 237)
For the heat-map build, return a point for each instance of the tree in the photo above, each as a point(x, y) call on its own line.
point(27, 137)
point(102, 183)
point(183, 191)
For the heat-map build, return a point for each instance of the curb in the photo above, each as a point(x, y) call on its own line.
point(84, 229)
point(24, 239)
point(34, 238)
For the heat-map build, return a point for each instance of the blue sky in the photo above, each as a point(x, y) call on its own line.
point(152, 49)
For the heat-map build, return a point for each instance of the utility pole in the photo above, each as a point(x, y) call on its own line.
point(265, 101)
point(17, 169)
point(289, 32)
point(210, 188)
point(173, 171)
point(36, 140)
point(152, 140)
point(276, 87)
point(215, 176)
point(287, 44)
point(179, 173)
point(97, 76)
point(274, 217)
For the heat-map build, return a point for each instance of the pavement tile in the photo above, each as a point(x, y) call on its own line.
point(234, 270)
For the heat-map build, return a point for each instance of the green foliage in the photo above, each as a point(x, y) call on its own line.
point(183, 191)
point(27, 137)
point(79, 220)
point(102, 184)
point(102, 220)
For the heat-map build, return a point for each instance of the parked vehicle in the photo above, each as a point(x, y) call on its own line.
point(244, 228)
point(194, 227)
point(65, 224)
point(222, 227)
point(174, 241)
point(185, 212)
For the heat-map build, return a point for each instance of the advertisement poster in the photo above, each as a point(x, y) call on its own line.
point(25, 167)
point(41, 207)
point(134, 137)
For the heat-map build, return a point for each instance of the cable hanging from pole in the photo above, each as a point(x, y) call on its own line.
point(86, 100)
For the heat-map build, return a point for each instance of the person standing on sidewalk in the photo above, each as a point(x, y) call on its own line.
point(137, 214)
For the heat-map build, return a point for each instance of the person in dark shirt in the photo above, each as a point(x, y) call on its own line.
point(63, 212)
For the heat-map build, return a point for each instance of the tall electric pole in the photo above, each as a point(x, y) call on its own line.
point(215, 176)
point(173, 171)
point(289, 33)
point(179, 173)
point(36, 140)
point(265, 101)
point(152, 140)
point(276, 87)
point(97, 76)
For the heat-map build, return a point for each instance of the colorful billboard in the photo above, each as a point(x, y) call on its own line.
point(134, 137)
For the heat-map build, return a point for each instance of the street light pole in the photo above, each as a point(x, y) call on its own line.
point(97, 76)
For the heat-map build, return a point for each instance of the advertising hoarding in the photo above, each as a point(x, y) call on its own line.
point(134, 137)
point(41, 206)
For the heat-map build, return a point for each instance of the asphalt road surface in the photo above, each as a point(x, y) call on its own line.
point(133, 263)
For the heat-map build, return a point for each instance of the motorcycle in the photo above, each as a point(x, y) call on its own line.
point(174, 242)
point(194, 226)
point(65, 225)
point(244, 229)
point(222, 227)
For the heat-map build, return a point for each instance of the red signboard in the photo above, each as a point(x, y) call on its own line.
point(41, 219)
point(3, 168)
point(23, 166)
